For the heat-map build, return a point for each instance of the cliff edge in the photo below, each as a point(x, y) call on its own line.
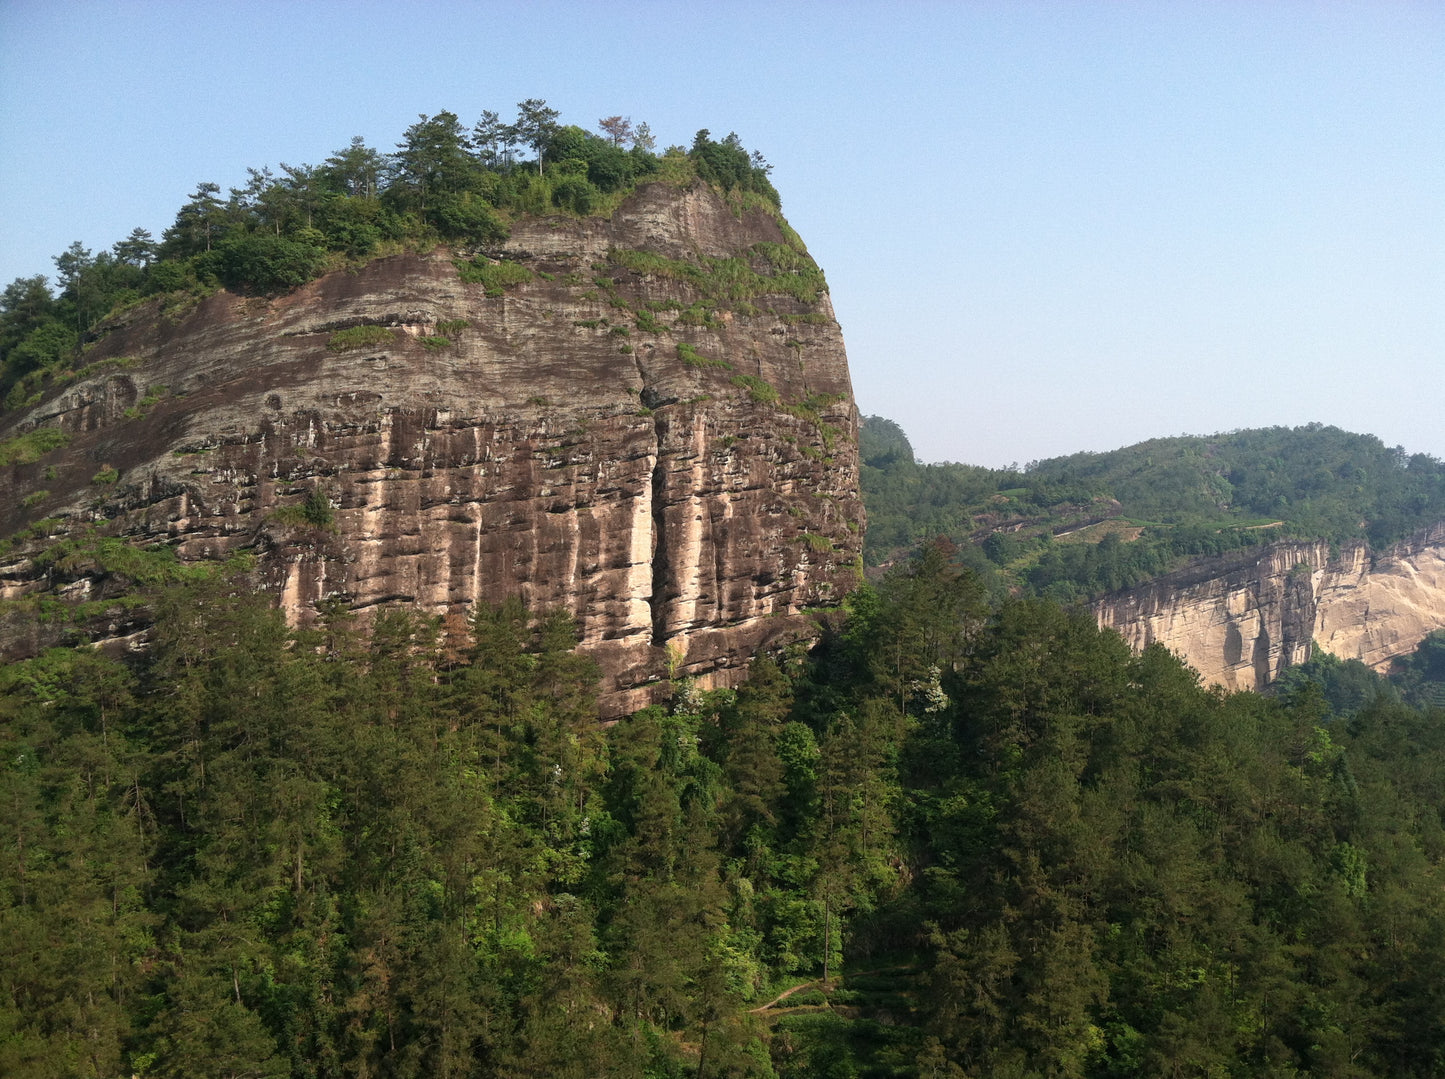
point(645, 420)
point(1241, 619)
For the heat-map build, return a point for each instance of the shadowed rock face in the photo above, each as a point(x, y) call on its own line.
point(685, 505)
point(1243, 618)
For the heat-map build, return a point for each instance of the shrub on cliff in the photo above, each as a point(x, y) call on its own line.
point(260, 262)
point(356, 225)
point(467, 217)
point(574, 193)
point(730, 166)
point(606, 166)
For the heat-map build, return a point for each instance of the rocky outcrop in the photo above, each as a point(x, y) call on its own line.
point(1242, 619)
point(601, 429)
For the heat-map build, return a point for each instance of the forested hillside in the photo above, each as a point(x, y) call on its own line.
point(1076, 526)
point(1004, 844)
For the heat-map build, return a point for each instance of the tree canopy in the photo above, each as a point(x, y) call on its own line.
point(983, 839)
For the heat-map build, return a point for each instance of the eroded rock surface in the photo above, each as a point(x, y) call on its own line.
point(1242, 619)
point(687, 505)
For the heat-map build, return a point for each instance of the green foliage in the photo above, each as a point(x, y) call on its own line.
point(367, 336)
point(46, 346)
point(173, 276)
point(1347, 687)
point(105, 476)
point(113, 363)
point(494, 277)
point(881, 442)
point(1419, 676)
point(690, 356)
point(443, 182)
point(467, 217)
point(700, 314)
point(263, 262)
point(317, 508)
point(760, 390)
point(575, 194)
point(314, 512)
point(599, 162)
point(156, 565)
point(356, 226)
point(729, 165)
point(42, 527)
point(810, 409)
point(434, 173)
point(32, 445)
point(153, 396)
point(770, 270)
point(989, 840)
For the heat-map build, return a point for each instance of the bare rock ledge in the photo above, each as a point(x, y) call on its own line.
point(1243, 618)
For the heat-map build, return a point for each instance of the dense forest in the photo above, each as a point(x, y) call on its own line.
point(983, 838)
point(1073, 527)
point(443, 182)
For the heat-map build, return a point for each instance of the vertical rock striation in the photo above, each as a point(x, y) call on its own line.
point(1243, 618)
point(647, 422)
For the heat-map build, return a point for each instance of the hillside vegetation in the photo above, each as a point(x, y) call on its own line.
point(984, 841)
point(443, 182)
point(1076, 526)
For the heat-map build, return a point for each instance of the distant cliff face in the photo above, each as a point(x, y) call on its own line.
point(1242, 619)
point(594, 427)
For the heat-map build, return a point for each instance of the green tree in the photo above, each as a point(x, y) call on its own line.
point(199, 224)
point(80, 840)
point(432, 161)
point(264, 262)
point(356, 171)
point(138, 249)
point(752, 766)
point(536, 125)
point(916, 630)
point(492, 139)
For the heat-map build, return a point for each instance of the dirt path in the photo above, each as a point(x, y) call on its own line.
point(786, 993)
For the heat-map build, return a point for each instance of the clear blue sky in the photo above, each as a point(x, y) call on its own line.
point(1048, 227)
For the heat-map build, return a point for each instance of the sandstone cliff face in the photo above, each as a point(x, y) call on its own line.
point(686, 505)
point(1242, 619)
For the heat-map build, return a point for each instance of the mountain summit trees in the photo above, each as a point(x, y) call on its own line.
point(443, 181)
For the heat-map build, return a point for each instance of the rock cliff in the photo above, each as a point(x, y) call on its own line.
point(646, 420)
point(1242, 619)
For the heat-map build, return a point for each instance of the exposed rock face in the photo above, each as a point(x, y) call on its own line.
point(686, 505)
point(1243, 618)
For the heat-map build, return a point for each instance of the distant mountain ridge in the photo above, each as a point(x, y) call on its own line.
point(1237, 551)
